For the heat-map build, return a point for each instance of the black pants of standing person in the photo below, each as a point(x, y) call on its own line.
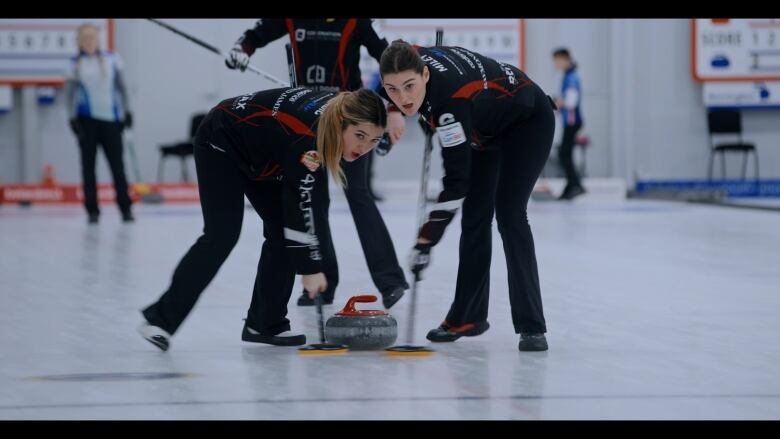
point(374, 238)
point(108, 135)
point(566, 155)
point(222, 187)
point(501, 182)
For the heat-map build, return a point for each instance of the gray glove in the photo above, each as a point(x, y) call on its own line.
point(237, 58)
point(384, 146)
point(419, 258)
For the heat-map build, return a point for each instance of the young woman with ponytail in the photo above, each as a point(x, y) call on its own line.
point(274, 146)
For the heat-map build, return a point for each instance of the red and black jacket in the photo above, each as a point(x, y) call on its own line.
point(271, 135)
point(470, 100)
point(327, 51)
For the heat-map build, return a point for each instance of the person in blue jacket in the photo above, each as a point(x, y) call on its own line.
point(571, 116)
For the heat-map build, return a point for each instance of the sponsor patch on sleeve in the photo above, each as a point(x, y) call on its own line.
point(311, 159)
point(451, 135)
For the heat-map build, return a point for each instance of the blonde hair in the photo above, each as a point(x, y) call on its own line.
point(79, 31)
point(347, 108)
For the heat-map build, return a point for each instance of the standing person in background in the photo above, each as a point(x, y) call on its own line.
point(569, 104)
point(98, 109)
point(327, 56)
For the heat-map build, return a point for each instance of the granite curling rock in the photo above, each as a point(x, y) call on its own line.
point(361, 329)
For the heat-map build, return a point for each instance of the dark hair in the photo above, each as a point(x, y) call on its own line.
point(562, 51)
point(400, 56)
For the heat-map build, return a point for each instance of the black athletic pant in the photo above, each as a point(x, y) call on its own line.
point(372, 231)
point(566, 154)
point(222, 187)
point(109, 136)
point(501, 182)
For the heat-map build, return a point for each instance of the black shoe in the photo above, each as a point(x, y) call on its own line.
point(304, 300)
point(447, 333)
point(530, 341)
point(93, 218)
point(127, 217)
point(393, 295)
point(286, 338)
point(572, 192)
point(155, 335)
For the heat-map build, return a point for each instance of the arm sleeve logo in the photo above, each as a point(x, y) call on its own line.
point(451, 135)
point(446, 118)
point(311, 160)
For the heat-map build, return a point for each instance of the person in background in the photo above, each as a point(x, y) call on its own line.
point(571, 116)
point(327, 57)
point(99, 110)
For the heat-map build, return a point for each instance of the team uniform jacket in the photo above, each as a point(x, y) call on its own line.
point(327, 51)
point(271, 135)
point(470, 101)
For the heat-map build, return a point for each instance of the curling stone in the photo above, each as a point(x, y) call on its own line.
point(361, 329)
